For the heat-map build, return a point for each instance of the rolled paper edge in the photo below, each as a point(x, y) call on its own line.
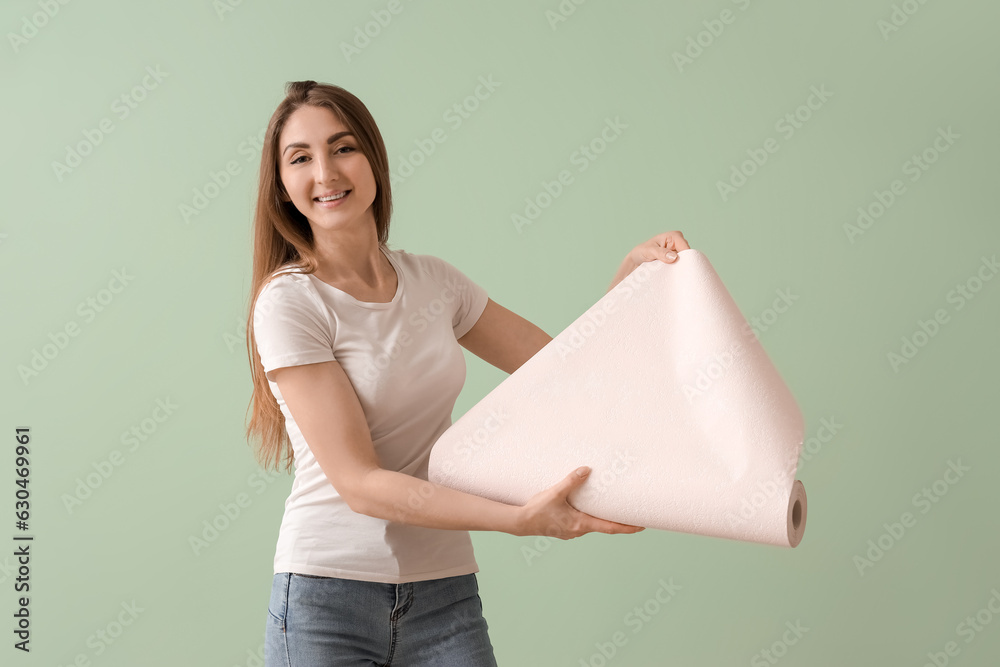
point(797, 510)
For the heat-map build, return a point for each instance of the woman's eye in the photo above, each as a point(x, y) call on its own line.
point(348, 148)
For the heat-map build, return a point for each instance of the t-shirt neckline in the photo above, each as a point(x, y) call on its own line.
point(375, 305)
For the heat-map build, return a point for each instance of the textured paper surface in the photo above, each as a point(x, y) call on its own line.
point(660, 387)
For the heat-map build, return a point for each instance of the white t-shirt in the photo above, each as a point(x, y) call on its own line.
point(407, 369)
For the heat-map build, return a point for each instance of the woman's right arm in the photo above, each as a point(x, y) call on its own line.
point(326, 409)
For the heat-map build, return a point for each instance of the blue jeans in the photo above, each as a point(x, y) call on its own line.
point(333, 622)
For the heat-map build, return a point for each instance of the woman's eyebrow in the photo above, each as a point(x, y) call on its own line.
point(332, 138)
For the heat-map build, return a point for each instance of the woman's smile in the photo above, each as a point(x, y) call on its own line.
point(333, 202)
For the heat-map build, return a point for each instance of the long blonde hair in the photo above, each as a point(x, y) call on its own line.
point(282, 236)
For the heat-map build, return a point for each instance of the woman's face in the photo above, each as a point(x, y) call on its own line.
point(319, 157)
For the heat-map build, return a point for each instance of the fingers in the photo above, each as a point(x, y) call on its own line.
point(573, 480)
point(577, 523)
point(664, 247)
point(565, 486)
point(590, 522)
point(671, 241)
point(665, 238)
point(615, 527)
point(606, 526)
point(677, 241)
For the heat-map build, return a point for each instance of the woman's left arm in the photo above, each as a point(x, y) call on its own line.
point(503, 338)
point(506, 340)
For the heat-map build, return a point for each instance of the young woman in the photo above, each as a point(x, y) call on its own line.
point(356, 363)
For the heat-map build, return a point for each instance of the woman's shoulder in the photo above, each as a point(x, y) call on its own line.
point(283, 278)
point(284, 283)
point(422, 262)
point(288, 269)
point(290, 296)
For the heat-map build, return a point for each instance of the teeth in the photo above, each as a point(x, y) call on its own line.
point(340, 196)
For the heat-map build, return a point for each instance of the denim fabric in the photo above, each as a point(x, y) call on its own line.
point(333, 622)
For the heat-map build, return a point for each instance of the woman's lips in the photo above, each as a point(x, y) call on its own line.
point(335, 202)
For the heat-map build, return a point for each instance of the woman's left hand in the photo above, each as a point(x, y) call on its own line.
point(663, 247)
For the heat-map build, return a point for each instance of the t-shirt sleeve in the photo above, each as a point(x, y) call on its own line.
point(472, 298)
point(289, 328)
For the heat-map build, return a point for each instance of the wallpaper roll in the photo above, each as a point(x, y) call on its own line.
point(663, 389)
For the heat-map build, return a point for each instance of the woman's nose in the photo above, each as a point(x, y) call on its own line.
point(325, 169)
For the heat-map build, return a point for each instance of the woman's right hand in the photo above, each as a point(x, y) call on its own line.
point(549, 513)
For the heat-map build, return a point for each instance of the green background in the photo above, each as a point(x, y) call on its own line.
point(176, 331)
